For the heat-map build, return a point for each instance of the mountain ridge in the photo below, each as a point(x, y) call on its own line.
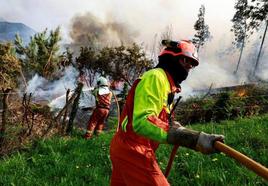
point(8, 30)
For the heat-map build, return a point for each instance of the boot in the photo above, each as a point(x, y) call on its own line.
point(88, 135)
point(98, 132)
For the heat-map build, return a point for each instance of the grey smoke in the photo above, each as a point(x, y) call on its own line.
point(87, 27)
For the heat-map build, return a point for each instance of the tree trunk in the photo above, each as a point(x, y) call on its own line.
point(243, 42)
point(198, 46)
point(4, 114)
point(59, 115)
point(74, 108)
point(65, 113)
point(24, 80)
point(259, 54)
point(241, 52)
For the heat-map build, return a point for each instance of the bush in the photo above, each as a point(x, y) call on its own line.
point(228, 104)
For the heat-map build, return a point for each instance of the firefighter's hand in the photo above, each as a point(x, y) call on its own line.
point(205, 142)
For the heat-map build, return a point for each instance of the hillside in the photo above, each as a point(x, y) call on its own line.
point(75, 161)
point(8, 31)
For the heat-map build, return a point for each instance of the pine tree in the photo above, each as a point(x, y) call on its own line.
point(202, 29)
point(258, 16)
point(41, 55)
point(258, 13)
point(240, 26)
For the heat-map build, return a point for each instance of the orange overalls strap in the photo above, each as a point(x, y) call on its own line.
point(104, 101)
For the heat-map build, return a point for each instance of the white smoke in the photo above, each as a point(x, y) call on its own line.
point(206, 75)
point(148, 18)
point(218, 62)
point(34, 84)
point(86, 100)
point(44, 90)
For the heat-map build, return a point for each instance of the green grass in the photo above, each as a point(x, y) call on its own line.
point(249, 136)
point(75, 161)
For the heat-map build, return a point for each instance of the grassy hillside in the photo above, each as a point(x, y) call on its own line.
point(74, 161)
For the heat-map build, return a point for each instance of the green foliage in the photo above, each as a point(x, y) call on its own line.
point(66, 58)
point(75, 161)
point(202, 29)
point(248, 17)
point(258, 13)
point(60, 161)
point(41, 55)
point(225, 105)
point(240, 22)
point(125, 63)
point(87, 61)
point(195, 110)
point(248, 136)
point(10, 67)
point(40, 109)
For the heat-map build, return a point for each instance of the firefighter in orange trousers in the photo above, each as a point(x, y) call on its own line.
point(144, 122)
point(103, 101)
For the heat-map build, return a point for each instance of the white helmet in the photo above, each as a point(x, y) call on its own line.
point(102, 81)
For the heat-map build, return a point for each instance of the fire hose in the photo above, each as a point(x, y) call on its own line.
point(118, 110)
point(241, 158)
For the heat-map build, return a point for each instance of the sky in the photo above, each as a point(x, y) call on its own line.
point(144, 16)
point(147, 19)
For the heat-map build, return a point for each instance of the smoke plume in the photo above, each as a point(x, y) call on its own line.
point(87, 28)
point(44, 90)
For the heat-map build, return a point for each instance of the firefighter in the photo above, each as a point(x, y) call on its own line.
point(103, 97)
point(144, 122)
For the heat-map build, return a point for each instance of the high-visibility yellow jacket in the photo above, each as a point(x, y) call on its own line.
point(146, 112)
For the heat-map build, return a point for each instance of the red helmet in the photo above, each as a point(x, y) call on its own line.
point(180, 48)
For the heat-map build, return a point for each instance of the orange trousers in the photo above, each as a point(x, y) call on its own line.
point(134, 164)
point(96, 121)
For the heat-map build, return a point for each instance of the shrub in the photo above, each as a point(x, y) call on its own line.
point(228, 104)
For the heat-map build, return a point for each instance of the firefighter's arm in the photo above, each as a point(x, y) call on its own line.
point(150, 95)
point(199, 141)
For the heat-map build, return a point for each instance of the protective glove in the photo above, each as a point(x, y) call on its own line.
point(205, 142)
point(179, 135)
point(199, 141)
